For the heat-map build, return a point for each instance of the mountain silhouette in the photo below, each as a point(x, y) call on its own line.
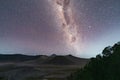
point(44, 59)
point(60, 60)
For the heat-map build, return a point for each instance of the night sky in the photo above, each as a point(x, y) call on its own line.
point(32, 27)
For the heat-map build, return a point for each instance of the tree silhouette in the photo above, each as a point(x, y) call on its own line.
point(103, 67)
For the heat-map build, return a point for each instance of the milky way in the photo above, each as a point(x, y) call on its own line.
point(68, 25)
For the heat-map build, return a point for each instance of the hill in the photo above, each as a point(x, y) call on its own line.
point(16, 57)
point(42, 67)
point(59, 60)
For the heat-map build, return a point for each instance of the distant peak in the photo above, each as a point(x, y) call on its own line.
point(69, 55)
point(53, 55)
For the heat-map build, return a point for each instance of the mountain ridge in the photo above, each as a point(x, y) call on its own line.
point(43, 59)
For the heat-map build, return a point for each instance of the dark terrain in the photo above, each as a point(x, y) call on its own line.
point(42, 67)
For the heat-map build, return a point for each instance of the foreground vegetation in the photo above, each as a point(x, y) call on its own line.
point(105, 66)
